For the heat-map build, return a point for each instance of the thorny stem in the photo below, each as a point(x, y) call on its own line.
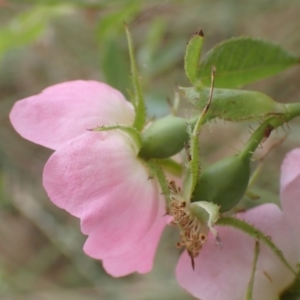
point(265, 129)
point(194, 143)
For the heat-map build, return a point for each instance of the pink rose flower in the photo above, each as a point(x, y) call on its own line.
point(96, 176)
point(224, 273)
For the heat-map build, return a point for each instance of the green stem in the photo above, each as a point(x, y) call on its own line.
point(194, 141)
point(265, 129)
point(293, 110)
point(257, 234)
point(249, 293)
point(157, 172)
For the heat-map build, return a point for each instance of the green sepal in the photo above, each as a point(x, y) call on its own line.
point(157, 172)
point(257, 234)
point(132, 132)
point(233, 105)
point(192, 57)
point(170, 166)
point(249, 194)
point(249, 292)
point(206, 212)
point(138, 98)
point(243, 60)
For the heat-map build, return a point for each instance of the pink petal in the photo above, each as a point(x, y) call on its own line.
point(98, 178)
point(290, 168)
point(141, 257)
point(224, 274)
point(66, 110)
point(290, 191)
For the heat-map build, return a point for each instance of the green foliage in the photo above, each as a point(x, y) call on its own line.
point(161, 34)
point(243, 60)
point(114, 61)
point(153, 56)
point(78, 3)
point(115, 65)
point(110, 25)
point(29, 26)
point(225, 182)
point(137, 97)
point(233, 105)
point(192, 57)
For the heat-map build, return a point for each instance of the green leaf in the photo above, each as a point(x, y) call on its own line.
point(164, 59)
point(110, 25)
point(115, 65)
point(192, 57)
point(138, 98)
point(233, 105)
point(243, 60)
point(148, 50)
point(155, 56)
point(28, 26)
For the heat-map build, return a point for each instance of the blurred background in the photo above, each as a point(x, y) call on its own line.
point(46, 42)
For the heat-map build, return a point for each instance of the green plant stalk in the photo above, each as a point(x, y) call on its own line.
point(265, 129)
point(194, 140)
point(157, 172)
point(249, 293)
point(257, 234)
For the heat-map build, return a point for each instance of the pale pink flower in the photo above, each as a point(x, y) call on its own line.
point(96, 176)
point(224, 273)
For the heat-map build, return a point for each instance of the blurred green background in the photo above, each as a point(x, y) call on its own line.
point(46, 42)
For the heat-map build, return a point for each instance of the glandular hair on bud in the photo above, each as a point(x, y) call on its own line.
point(164, 138)
point(224, 182)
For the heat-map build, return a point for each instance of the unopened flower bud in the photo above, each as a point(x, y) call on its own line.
point(224, 183)
point(164, 138)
